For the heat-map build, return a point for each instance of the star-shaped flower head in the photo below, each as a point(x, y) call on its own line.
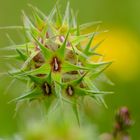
point(55, 62)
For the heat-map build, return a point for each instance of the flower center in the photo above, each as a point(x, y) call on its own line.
point(70, 90)
point(47, 89)
point(55, 64)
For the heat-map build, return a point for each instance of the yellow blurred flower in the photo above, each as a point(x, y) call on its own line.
point(122, 47)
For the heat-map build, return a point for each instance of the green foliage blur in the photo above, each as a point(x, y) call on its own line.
point(123, 15)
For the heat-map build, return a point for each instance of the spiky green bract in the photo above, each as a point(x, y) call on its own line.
point(56, 63)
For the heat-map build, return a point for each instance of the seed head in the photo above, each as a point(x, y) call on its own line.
point(56, 60)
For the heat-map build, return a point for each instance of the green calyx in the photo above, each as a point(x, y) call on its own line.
point(55, 62)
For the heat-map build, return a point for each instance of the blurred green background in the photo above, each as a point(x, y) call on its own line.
point(122, 45)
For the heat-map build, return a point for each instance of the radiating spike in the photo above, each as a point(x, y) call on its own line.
point(75, 109)
point(30, 95)
point(97, 45)
point(62, 49)
point(47, 53)
point(89, 44)
point(67, 14)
